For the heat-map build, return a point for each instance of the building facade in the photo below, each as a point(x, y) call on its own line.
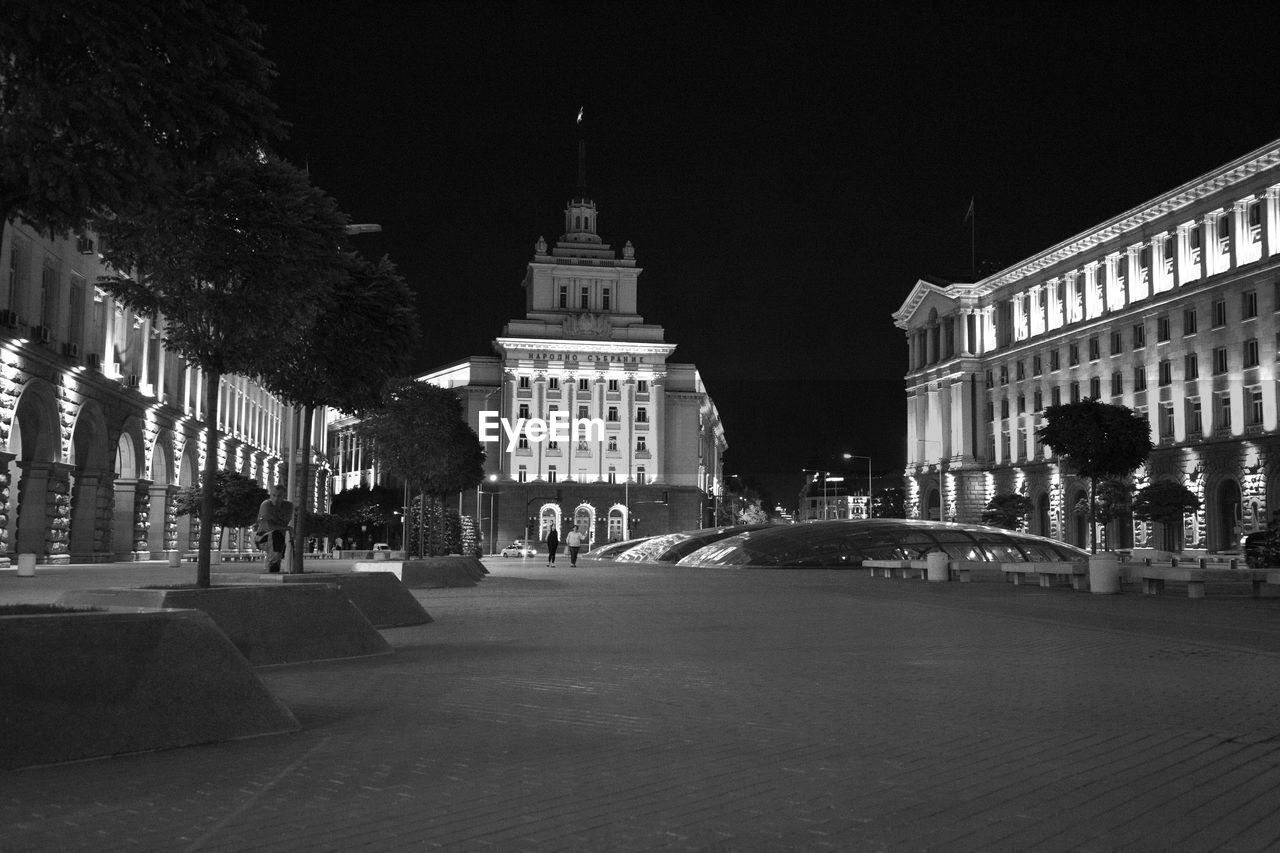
point(1171, 308)
point(100, 425)
point(649, 461)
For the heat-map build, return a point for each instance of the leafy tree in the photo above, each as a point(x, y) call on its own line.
point(102, 103)
point(365, 507)
point(1113, 502)
point(1166, 502)
point(236, 499)
point(753, 514)
point(238, 271)
point(421, 436)
point(361, 339)
point(1007, 511)
point(1098, 440)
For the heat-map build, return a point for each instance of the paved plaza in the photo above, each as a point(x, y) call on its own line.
point(627, 707)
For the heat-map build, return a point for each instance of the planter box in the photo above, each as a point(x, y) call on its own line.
point(430, 572)
point(269, 624)
point(380, 596)
point(85, 685)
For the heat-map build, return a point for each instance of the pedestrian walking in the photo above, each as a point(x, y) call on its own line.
point(573, 542)
point(553, 545)
point(275, 514)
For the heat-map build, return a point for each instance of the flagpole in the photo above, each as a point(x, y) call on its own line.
point(973, 241)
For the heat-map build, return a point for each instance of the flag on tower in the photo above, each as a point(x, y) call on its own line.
point(580, 111)
point(968, 214)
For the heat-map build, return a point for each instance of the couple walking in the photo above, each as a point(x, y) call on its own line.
point(572, 541)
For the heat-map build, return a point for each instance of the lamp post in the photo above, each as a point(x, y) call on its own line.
point(804, 492)
point(492, 478)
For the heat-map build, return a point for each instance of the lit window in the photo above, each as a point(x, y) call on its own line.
point(1193, 417)
point(1222, 417)
point(613, 474)
point(613, 385)
point(524, 381)
point(641, 446)
point(584, 384)
point(554, 383)
point(522, 476)
point(1251, 352)
point(640, 476)
point(1255, 406)
point(613, 443)
point(642, 386)
point(551, 474)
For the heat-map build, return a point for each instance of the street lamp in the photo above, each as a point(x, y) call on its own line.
point(493, 478)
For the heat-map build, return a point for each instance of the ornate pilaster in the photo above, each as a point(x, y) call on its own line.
point(8, 506)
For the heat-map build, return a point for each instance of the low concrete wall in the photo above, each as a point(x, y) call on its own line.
point(83, 685)
point(380, 596)
point(269, 624)
point(430, 572)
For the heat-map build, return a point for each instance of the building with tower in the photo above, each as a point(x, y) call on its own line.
point(650, 461)
point(1171, 309)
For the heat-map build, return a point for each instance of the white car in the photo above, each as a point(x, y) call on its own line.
point(520, 548)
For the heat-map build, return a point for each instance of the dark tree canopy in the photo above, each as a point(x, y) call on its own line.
point(1166, 503)
point(102, 102)
point(1007, 511)
point(420, 435)
point(1098, 440)
point(236, 499)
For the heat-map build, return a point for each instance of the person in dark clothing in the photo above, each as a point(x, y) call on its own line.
point(553, 545)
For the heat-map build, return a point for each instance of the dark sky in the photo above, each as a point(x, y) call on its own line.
point(785, 175)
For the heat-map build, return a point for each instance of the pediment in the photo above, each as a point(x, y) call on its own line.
point(925, 298)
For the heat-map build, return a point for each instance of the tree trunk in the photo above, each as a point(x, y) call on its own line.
point(210, 476)
point(304, 493)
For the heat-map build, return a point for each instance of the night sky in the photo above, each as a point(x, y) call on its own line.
point(785, 175)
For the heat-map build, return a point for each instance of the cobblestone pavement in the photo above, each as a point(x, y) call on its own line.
point(624, 707)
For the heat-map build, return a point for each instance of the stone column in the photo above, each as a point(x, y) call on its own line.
point(160, 527)
point(8, 506)
point(85, 539)
point(1270, 222)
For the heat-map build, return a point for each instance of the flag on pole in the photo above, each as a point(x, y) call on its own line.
point(969, 213)
point(581, 109)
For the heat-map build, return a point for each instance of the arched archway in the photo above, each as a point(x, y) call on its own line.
point(1226, 530)
point(619, 523)
point(932, 504)
point(34, 484)
point(91, 485)
point(548, 520)
point(584, 518)
point(162, 493)
point(132, 501)
point(188, 531)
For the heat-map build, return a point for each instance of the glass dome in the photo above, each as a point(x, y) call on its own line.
point(845, 544)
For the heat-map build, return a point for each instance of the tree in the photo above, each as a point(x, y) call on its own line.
point(102, 103)
point(361, 339)
point(421, 436)
point(365, 507)
point(1113, 502)
point(1007, 511)
point(1166, 502)
point(238, 271)
point(753, 514)
point(1098, 440)
point(236, 499)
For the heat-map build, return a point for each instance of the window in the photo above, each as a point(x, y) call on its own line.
point(524, 382)
point(523, 442)
point(990, 381)
point(564, 296)
point(1095, 387)
point(1004, 374)
point(522, 475)
point(1053, 360)
point(1073, 354)
point(1035, 365)
point(1189, 321)
point(613, 385)
point(551, 474)
point(1222, 412)
point(49, 296)
point(1056, 396)
point(1117, 384)
point(1166, 420)
point(1219, 361)
point(1139, 336)
point(1219, 313)
point(991, 411)
point(1191, 366)
point(584, 300)
point(1255, 406)
point(604, 299)
point(1038, 401)
point(75, 317)
point(613, 414)
point(1093, 348)
point(613, 474)
point(584, 384)
point(1022, 403)
point(642, 415)
point(523, 411)
point(1117, 343)
point(613, 444)
point(640, 477)
point(1139, 379)
point(641, 444)
point(582, 413)
point(1193, 417)
point(1021, 370)
point(1249, 304)
point(642, 387)
point(554, 383)
point(1162, 328)
point(1075, 392)
point(1165, 373)
point(1251, 352)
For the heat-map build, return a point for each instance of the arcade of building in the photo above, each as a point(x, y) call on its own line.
point(1171, 308)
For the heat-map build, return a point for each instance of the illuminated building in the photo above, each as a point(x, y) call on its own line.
point(584, 352)
point(1170, 308)
point(100, 426)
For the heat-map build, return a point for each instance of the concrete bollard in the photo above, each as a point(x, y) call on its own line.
point(1104, 574)
point(26, 565)
point(936, 566)
point(175, 559)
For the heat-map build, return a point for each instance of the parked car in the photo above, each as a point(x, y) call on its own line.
point(520, 548)
point(381, 546)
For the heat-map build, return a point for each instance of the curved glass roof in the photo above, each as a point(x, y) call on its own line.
point(845, 544)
